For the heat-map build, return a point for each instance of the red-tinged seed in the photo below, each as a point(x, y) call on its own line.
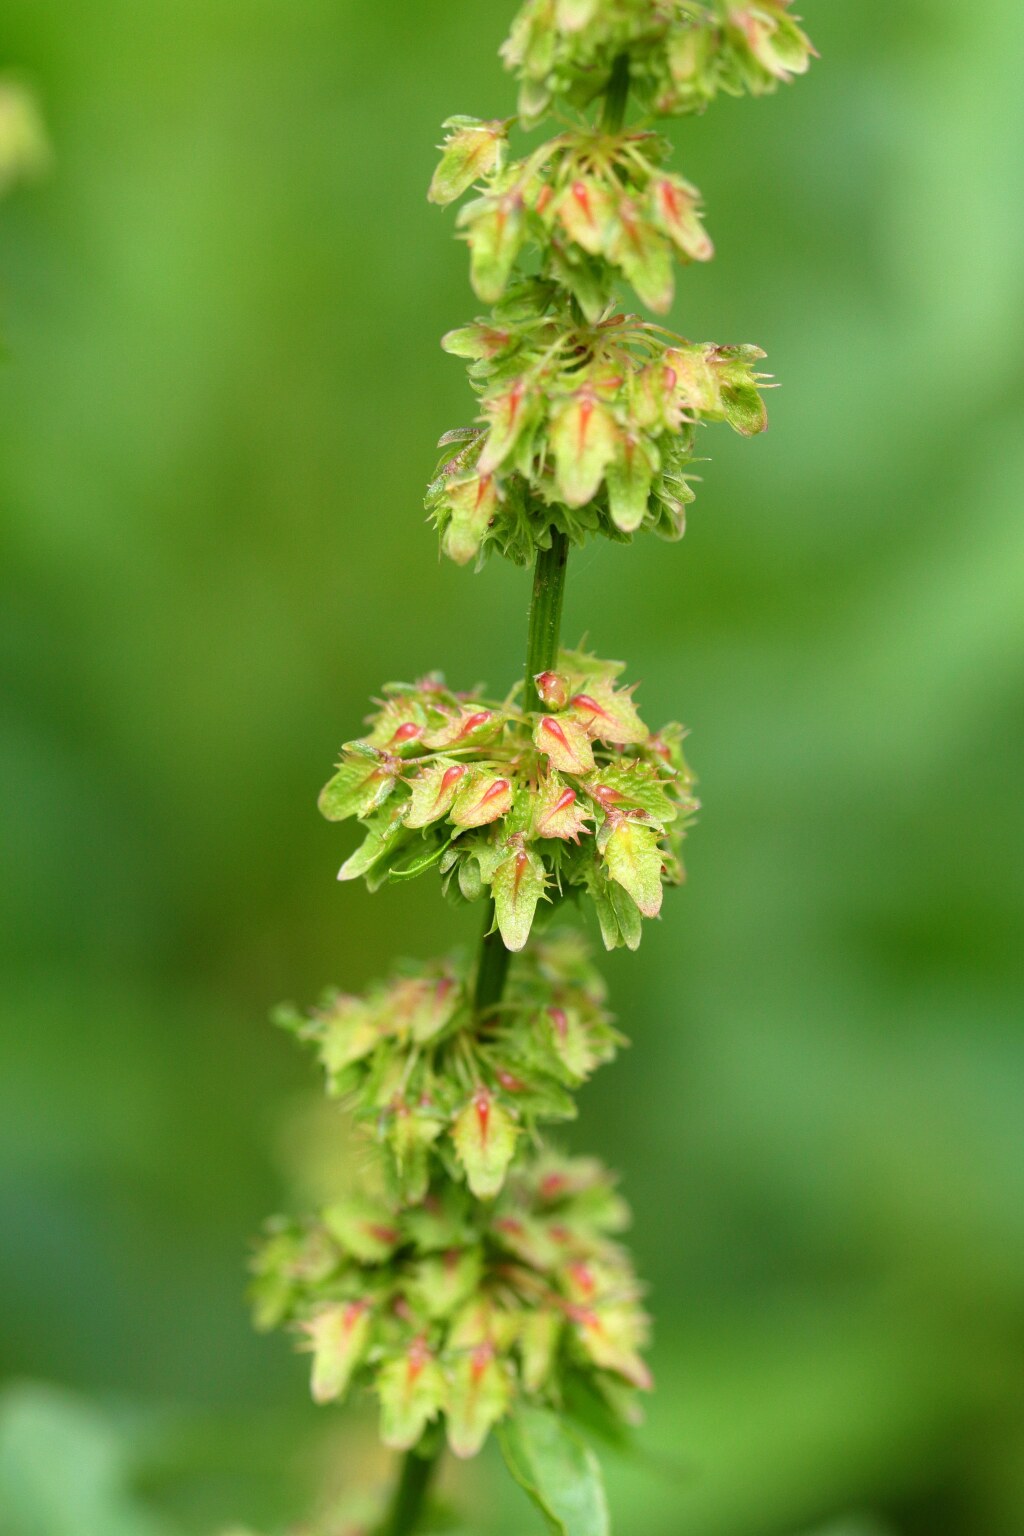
point(584, 701)
point(586, 411)
point(353, 1312)
point(381, 1233)
point(510, 1083)
point(582, 197)
point(510, 1225)
point(496, 791)
point(522, 865)
point(407, 732)
point(552, 728)
point(553, 1184)
point(482, 1105)
point(543, 198)
point(559, 1233)
point(671, 378)
point(418, 1356)
point(564, 801)
point(669, 198)
point(482, 1357)
point(606, 795)
point(514, 398)
point(551, 688)
point(561, 1024)
point(451, 1259)
point(450, 776)
point(583, 1277)
point(401, 1309)
point(474, 722)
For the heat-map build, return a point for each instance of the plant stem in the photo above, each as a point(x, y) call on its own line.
point(543, 633)
point(545, 613)
point(616, 96)
point(492, 966)
point(407, 1505)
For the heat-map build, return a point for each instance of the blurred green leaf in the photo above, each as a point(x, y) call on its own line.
point(559, 1473)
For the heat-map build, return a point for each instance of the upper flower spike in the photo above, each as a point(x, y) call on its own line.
point(588, 417)
point(681, 53)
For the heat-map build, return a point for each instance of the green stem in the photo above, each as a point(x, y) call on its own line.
point(407, 1505)
point(492, 966)
point(545, 613)
point(544, 630)
point(616, 96)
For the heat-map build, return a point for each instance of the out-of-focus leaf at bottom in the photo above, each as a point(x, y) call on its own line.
point(560, 1473)
point(63, 1470)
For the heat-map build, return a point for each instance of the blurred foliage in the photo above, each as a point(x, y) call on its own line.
point(217, 414)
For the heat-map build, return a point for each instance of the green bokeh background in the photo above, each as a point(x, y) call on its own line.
point(217, 414)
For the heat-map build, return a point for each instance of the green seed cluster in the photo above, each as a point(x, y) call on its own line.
point(465, 1273)
point(578, 799)
point(588, 417)
point(450, 1310)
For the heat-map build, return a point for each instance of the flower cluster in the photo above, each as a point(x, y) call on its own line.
point(439, 1089)
point(452, 1312)
point(587, 416)
point(595, 204)
point(579, 796)
point(681, 53)
point(583, 428)
point(467, 1276)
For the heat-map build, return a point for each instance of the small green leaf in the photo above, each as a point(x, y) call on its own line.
point(433, 792)
point(418, 863)
point(584, 440)
point(509, 416)
point(644, 256)
point(538, 1346)
point(674, 205)
point(745, 410)
point(486, 798)
point(559, 1473)
point(571, 1042)
point(586, 211)
point(470, 152)
point(612, 1335)
point(574, 15)
point(485, 1140)
point(609, 714)
point(635, 784)
point(411, 1388)
point(357, 789)
point(517, 886)
point(339, 1336)
point(443, 1281)
point(634, 859)
point(565, 743)
point(497, 233)
point(629, 477)
point(471, 501)
point(557, 811)
point(383, 837)
point(362, 1229)
point(479, 1393)
point(348, 1032)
